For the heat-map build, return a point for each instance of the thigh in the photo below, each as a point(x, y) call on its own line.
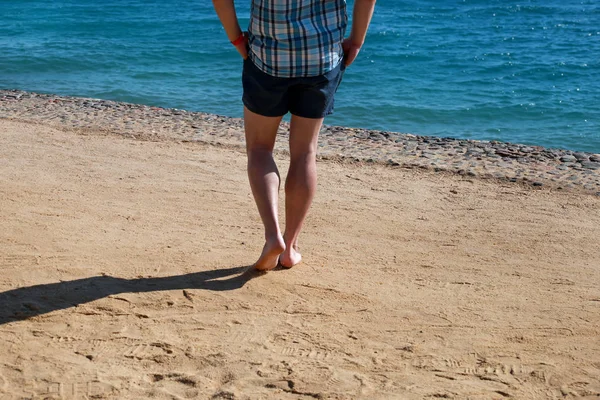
point(261, 131)
point(304, 135)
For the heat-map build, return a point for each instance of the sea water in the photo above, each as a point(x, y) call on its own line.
point(519, 71)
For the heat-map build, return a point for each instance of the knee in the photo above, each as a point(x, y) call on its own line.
point(259, 152)
point(259, 157)
point(303, 157)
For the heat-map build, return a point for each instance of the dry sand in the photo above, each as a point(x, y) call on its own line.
point(123, 264)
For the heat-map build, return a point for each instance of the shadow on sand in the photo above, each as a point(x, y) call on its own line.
point(26, 302)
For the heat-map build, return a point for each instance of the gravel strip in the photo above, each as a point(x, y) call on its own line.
point(532, 165)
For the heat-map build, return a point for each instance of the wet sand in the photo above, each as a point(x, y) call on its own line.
point(125, 254)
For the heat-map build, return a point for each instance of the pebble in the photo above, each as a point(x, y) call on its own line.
point(590, 165)
point(533, 165)
point(568, 159)
point(506, 153)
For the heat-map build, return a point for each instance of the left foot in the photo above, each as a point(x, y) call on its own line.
point(270, 254)
point(290, 257)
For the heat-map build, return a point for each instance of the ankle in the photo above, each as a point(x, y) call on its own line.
point(290, 244)
point(275, 240)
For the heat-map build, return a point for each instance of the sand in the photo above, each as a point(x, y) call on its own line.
point(125, 276)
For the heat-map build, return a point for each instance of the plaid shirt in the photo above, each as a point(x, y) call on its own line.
point(297, 38)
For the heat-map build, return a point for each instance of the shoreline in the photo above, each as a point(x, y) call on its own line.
point(533, 166)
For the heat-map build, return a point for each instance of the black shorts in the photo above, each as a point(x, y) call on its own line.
point(271, 96)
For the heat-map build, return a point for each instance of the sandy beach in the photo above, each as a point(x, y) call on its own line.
point(125, 274)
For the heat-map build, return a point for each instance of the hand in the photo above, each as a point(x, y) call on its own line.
point(242, 47)
point(351, 50)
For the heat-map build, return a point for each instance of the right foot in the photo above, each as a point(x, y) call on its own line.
point(290, 257)
point(270, 254)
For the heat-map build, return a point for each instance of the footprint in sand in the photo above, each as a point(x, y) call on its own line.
point(332, 380)
point(182, 385)
point(94, 348)
point(297, 352)
point(65, 339)
point(148, 351)
point(16, 260)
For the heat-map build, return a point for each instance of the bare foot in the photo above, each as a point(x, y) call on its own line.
point(270, 254)
point(290, 257)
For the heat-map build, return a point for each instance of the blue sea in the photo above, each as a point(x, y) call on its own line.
point(519, 71)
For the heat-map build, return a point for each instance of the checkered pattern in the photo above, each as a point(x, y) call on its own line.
point(297, 38)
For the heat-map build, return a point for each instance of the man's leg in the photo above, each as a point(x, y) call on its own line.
point(264, 180)
point(300, 184)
